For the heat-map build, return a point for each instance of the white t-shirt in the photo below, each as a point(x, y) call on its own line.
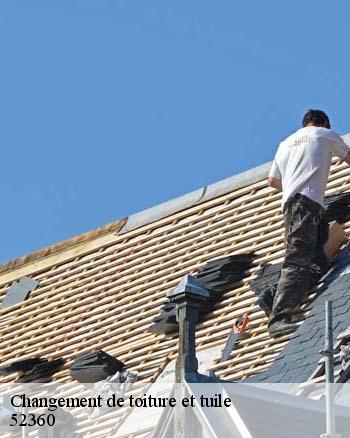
point(303, 161)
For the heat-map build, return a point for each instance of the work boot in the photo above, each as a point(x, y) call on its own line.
point(265, 299)
point(281, 327)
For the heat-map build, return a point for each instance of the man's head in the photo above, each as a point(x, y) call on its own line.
point(316, 117)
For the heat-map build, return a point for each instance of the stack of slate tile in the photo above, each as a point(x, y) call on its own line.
point(33, 368)
point(94, 367)
point(218, 276)
point(165, 322)
point(337, 208)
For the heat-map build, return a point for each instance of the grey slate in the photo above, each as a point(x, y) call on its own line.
point(19, 291)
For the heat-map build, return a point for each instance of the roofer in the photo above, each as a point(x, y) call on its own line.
point(300, 170)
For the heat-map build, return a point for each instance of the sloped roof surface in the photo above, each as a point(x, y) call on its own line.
point(102, 290)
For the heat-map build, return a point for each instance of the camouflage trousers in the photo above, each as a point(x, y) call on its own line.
point(305, 262)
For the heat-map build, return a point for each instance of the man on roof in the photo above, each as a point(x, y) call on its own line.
point(300, 170)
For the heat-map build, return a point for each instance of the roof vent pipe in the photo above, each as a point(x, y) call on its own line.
point(189, 297)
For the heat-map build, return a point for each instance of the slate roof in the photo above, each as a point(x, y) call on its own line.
point(101, 290)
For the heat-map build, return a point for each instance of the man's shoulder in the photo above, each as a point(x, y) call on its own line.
point(325, 133)
point(312, 132)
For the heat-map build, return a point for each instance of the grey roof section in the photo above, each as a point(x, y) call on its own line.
point(236, 182)
point(18, 291)
point(207, 193)
point(204, 194)
point(298, 360)
point(162, 210)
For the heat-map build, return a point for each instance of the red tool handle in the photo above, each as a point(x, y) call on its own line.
point(241, 324)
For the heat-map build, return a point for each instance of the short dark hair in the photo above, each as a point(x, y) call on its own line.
point(316, 118)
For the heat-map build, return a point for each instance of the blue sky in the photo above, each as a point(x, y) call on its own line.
point(108, 107)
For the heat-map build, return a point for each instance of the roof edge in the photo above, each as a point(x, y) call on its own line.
point(147, 216)
point(196, 197)
point(62, 246)
point(155, 213)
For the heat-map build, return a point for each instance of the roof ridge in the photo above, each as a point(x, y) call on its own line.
point(147, 216)
point(153, 214)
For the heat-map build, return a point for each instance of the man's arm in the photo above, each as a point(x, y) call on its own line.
point(339, 147)
point(275, 177)
point(276, 183)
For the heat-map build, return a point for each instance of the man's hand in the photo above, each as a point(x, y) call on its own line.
point(276, 183)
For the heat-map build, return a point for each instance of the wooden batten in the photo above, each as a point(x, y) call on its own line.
point(103, 292)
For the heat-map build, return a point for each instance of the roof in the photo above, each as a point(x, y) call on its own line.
point(102, 289)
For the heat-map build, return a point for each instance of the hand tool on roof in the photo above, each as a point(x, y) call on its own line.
point(238, 332)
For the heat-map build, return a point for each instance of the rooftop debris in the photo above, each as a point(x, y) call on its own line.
point(117, 385)
point(217, 276)
point(19, 291)
point(95, 366)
